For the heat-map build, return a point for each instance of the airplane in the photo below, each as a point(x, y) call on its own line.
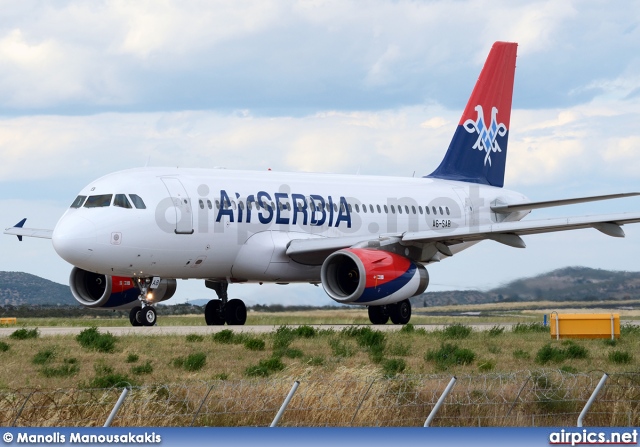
point(366, 239)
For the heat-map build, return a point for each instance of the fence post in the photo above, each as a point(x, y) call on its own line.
point(285, 404)
point(583, 413)
point(117, 406)
point(195, 416)
point(361, 401)
point(445, 393)
point(22, 408)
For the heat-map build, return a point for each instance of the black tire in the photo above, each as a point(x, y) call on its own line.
point(147, 316)
point(132, 316)
point(213, 313)
point(400, 313)
point(378, 314)
point(235, 312)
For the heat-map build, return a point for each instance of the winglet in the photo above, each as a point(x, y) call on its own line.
point(20, 225)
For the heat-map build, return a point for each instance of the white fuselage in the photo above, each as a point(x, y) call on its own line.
point(235, 225)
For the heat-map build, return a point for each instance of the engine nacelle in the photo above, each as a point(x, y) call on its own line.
point(366, 276)
point(113, 292)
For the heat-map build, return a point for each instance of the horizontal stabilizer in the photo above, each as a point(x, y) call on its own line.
point(19, 231)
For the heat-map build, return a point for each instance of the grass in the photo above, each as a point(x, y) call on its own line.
point(25, 334)
point(92, 339)
point(309, 350)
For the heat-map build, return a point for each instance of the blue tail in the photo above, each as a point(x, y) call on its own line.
point(478, 151)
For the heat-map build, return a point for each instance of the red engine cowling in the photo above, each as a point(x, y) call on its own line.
point(366, 276)
point(112, 292)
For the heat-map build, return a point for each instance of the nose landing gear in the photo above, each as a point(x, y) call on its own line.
point(144, 315)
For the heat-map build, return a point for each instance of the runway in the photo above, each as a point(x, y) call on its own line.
point(184, 330)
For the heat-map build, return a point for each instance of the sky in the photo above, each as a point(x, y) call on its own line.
point(376, 87)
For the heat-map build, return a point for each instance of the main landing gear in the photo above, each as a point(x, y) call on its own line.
point(223, 310)
point(400, 313)
point(144, 315)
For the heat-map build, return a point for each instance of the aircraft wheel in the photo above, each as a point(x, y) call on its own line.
point(401, 312)
point(132, 316)
point(146, 316)
point(378, 314)
point(213, 313)
point(235, 312)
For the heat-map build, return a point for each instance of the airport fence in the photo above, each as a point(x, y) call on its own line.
point(521, 399)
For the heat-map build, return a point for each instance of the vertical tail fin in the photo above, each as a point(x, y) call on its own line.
point(478, 151)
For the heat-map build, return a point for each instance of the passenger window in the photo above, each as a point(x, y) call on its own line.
point(420, 209)
point(441, 213)
point(406, 207)
point(121, 201)
point(371, 208)
point(386, 210)
point(399, 209)
point(434, 210)
point(426, 208)
point(137, 201)
point(357, 208)
point(199, 201)
point(78, 202)
point(393, 209)
point(241, 204)
point(447, 210)
point(413, 208)
point(209, 204)
point(364, 208)
point(98, 201)
point(379, 210)
point(217, 204)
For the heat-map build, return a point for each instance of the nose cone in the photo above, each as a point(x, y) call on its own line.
point(74, 239)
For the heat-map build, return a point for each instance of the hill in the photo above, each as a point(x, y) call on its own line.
point(17, 289)
point(567, 284)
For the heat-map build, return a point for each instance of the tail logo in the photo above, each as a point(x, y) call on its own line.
point(486, 137)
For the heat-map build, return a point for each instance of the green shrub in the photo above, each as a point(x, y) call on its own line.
point(224, 336)
point(43, 356)
point(407, 329)
point(550, 353)
point(25, 334)
point(575, 351)
point(630, 330)
point(317, 360)
point(524, 328)
point(521, 354)
point(102, 369)
point(132, 358)
point(391, 367)
point(486, 365)
point(90, 338)
point(292, 353)
point(495, 331)
point(305, 331)
point(620, 357)
point(340, 348)
point(68, 368)
point(194, 338)
point(4, 347)
point(195, 362)
point(610, 342)
point(282, 338)
point(144, 368)
point(254, 344)
point(265, 367)
point(457, 331)
point(449, 355)
point(569, 369)
point(110, 381)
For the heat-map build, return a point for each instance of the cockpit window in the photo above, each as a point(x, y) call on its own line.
point(78, 202)
point(98, 201)
point(121, 201)
point(137, 201)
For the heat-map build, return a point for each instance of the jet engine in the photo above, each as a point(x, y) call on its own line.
point(371, 277)
point(113, 292)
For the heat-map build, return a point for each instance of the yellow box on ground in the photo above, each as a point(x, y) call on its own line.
point(585, 325)
point(10, 320)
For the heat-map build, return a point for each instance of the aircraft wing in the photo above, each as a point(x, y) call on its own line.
point(512, 207)
point(509, 232)
point(314, 251)
point(20, 231)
